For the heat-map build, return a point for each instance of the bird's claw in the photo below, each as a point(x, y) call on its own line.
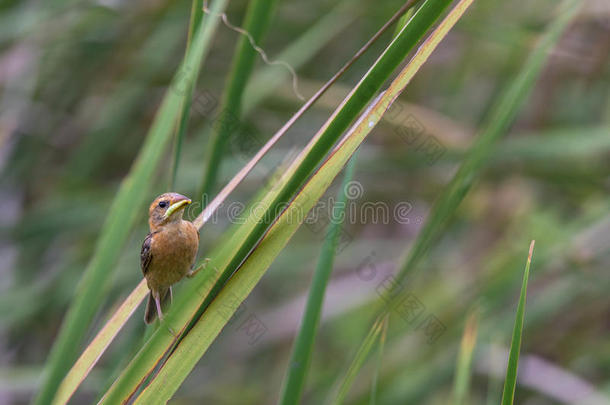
point(161, 322)
point(202, 266)
point(174, 334)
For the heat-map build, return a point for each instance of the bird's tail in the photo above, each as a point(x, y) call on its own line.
point(151, 308)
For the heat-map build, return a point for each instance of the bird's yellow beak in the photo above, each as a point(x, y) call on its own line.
point(175, 207)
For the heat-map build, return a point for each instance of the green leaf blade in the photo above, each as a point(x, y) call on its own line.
point(256, 22)
point(130, 199)
point(304, 342)
point(464, 364)
point(497, 124)
point(510, 382)
point(359, 359)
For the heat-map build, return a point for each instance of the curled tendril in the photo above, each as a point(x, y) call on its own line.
point(257, 48)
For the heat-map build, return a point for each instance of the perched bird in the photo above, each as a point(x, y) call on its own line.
point(168, 252)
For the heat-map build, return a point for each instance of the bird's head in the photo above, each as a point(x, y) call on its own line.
point(167, 208)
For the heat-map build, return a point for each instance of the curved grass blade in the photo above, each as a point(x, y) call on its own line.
point(464, 365)
point(123, 213)
point(402, 22)
point(557, 144)
point(510, 382)
point(423, 53)
point(256, 21)
point(380, 348)
point(303, 345)
point(495, 126)
point(96, 348)
point(202, 290)
point(117, 113)
point(196, 16)
point(359, 359)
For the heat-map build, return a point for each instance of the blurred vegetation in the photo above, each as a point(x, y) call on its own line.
point(80, 84)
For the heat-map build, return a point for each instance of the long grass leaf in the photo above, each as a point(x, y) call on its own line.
point(365, 348)
point(256, 21)
point(510, 382)
point(403, 21)
point(495, 126)
point(304, 342)
point(130, 198)
point(463, 370)
point(359, 359)
point(87, 360)
point(196, 16)
point(117, 112)
point(377, 371)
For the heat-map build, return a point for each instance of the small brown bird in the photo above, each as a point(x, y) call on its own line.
point(168, 252)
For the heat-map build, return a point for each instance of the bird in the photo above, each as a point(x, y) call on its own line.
point(168, 252)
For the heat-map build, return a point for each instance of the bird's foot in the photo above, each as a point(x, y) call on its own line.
point(174, 334)
point(202, 266)
point(161, 323)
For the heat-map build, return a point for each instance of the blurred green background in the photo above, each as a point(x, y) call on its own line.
point(81, 81)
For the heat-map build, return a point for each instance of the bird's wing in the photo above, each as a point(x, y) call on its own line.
point(146, 253)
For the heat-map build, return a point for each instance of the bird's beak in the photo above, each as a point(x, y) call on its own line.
point(175, 207)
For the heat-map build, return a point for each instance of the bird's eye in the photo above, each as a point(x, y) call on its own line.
point(163, 204)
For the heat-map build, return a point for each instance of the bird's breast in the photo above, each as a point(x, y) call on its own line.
point(174, 250)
